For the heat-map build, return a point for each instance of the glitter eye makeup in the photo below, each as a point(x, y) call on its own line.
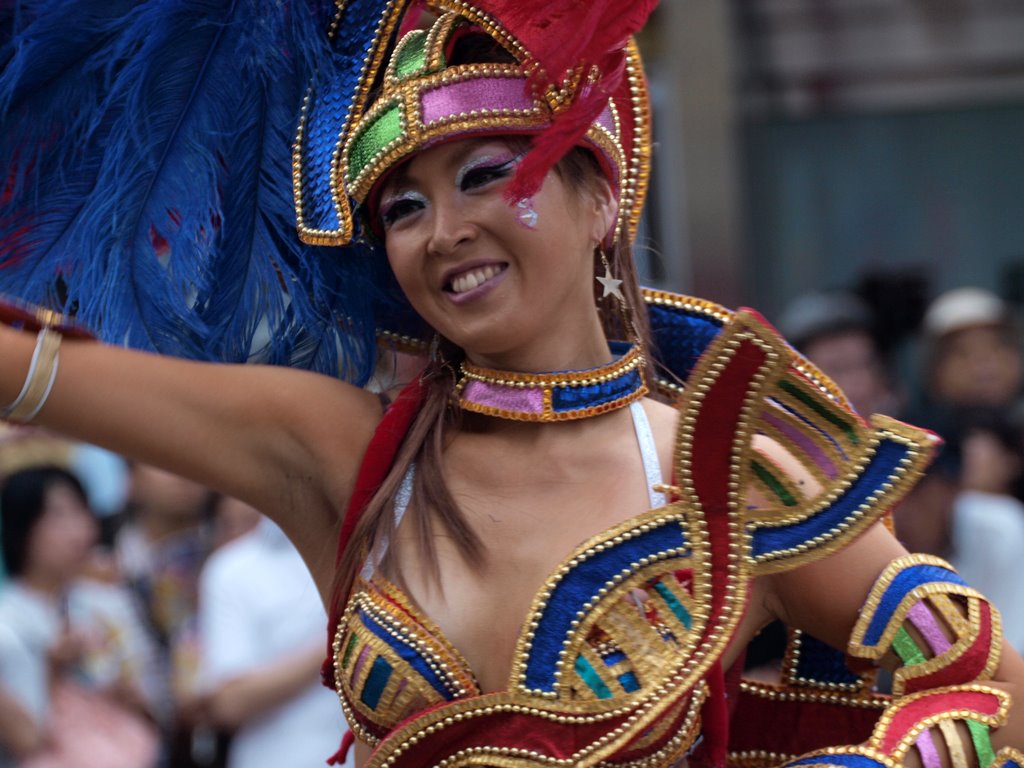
point(486, 168)
point(397, 206)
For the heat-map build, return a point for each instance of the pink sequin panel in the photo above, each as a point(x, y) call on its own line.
point(526, 400)
point(925, 623)
point(486, 93)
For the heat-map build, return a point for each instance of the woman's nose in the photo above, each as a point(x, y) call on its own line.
point(451, 228)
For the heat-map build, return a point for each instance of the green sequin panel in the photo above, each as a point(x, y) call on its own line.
point(593, 680)
point(907, 649)
point(793, 391)
point(982, 742)
point(412, 57)
point(384, 129)
point(674, 605)
point(348, 651)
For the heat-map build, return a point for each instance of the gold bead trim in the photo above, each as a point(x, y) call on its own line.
point(966, 628)
point(791, 674)
point(633, 360)
point(371, 66)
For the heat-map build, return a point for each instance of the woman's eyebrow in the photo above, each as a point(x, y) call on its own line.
point(398, 178)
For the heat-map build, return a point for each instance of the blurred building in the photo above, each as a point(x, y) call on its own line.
point(804, 144)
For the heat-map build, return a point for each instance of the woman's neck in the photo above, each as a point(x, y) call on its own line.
point(548, 355)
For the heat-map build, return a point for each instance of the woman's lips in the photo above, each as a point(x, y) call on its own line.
point(474, 282)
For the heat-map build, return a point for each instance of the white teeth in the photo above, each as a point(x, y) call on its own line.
point(475, 277)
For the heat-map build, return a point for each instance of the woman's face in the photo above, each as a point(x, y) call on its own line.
point(475, 270)
point(63, 537)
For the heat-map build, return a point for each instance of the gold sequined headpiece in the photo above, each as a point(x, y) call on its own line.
point(423, 96)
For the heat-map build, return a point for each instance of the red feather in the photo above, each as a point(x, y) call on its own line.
point(562, 38)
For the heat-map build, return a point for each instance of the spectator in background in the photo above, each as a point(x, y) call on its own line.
point(835, 331)
point(261, 620)
point(972, 360)
point(973, 351)
point(988, 516)
point(102, 474)
point(160, 550)
point(72, 652)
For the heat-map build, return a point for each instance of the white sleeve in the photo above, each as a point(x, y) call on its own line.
point(19, 675)
point(227, 638)
point(988, 541)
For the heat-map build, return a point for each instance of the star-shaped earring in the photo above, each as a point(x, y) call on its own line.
point(611, 285)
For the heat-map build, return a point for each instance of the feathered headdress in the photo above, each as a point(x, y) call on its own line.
point(147, 149)
point(147, 153)
point(576, 80)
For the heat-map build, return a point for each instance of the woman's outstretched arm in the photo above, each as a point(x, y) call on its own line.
point(288, 442)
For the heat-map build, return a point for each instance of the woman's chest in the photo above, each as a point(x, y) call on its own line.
point(605, 621)
point(528, 528)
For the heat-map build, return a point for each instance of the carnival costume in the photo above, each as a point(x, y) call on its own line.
point(618, 661)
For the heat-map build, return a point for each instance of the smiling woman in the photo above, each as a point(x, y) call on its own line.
point(477, 275)
point(555, 543)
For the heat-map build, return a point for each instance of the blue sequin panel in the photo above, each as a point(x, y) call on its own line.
point(822, 663)
point(580, 586)
point(407, 653)
point(569, 398)
point(376, 682)
point(906, 581)
point(844, 761)
point(333, 94)
point(879, 471)
point(680, 337)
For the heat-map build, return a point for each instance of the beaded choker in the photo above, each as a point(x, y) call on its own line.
point(560, 396)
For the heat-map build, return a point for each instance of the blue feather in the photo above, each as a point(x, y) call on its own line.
point(49, 93)
point(158, 207)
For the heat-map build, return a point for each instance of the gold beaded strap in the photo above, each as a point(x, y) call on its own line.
point(42, 372)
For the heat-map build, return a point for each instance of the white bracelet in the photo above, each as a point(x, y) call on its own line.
point(42, 372)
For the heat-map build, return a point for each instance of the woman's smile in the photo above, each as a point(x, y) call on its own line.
point(466, 283)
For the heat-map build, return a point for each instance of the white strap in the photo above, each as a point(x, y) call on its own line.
point(648, 453)
point(402, 498)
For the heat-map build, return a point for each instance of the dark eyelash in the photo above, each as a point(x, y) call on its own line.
point(498, 170)
point(394, 211)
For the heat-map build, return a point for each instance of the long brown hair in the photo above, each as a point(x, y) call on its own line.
point(432, 503)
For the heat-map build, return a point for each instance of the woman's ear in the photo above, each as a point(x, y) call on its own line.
point(606, 210)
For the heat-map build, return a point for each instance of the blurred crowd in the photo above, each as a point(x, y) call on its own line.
point(964, 380)
point(146, 622)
